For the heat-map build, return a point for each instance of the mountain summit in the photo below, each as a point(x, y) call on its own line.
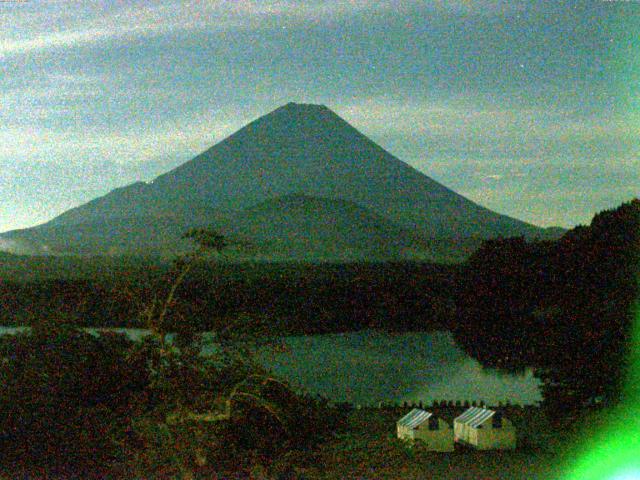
point(304, 152)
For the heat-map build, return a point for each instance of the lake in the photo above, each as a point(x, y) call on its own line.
point(369, 367)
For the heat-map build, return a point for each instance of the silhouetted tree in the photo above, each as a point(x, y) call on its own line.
point(563, 307)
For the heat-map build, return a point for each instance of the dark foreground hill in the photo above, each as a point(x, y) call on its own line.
point(276, 183)
point(566, 307)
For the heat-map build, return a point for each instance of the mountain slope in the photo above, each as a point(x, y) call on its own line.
point(292, 227)
point(302, 227)
point(297, 149)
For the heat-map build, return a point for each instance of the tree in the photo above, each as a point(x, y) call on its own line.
point(207, 241)
point(203, 400)
point(67, 399)
point(563, 307)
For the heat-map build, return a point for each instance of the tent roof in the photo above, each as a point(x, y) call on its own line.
point(475, 416)
point(415, 418)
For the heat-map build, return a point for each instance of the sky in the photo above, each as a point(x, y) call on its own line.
point(528, 108)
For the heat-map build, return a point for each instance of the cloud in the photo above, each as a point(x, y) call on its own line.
point(547, 165)
point(14, 247)
point(35, 28)
point(493, 177)
point(464, 125)
point(546, 190)
point(91, 25)
point(46, 97)
point(178, 136)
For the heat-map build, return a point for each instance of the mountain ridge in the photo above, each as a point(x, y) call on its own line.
point(296, 149)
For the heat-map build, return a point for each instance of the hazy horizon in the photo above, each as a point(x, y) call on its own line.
point(527, 108)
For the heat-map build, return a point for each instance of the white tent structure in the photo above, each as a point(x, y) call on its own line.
point(484, 429)
point(421, 425)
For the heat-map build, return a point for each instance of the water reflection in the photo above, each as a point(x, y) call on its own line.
point(369, 367)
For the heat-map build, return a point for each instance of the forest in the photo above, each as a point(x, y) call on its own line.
point(564, 307)
point(294, 297)
point(93, 405)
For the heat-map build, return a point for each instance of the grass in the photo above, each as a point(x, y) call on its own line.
point(369, 449)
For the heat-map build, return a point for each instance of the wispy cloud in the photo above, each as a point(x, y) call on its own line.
point(115, 22)
point(44, 26)
point(181, 137)
point(546, 165)
point(472, 124)
point(104, 29)
point(130, 82)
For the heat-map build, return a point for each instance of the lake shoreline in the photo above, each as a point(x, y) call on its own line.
point(371, 367)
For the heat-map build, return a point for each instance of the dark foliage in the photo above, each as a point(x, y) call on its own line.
point(87, 406)
point(563, 307)
point(207, 239)
point(292, 298)
point(66, 396)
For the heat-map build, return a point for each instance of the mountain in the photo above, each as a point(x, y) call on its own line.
point(301, 227)
point(292, 169)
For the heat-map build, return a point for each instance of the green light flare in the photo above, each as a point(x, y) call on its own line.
point(614, 452)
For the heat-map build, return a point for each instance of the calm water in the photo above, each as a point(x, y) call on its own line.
point(369, 367)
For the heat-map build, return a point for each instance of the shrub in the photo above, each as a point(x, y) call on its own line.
point(66, 396)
